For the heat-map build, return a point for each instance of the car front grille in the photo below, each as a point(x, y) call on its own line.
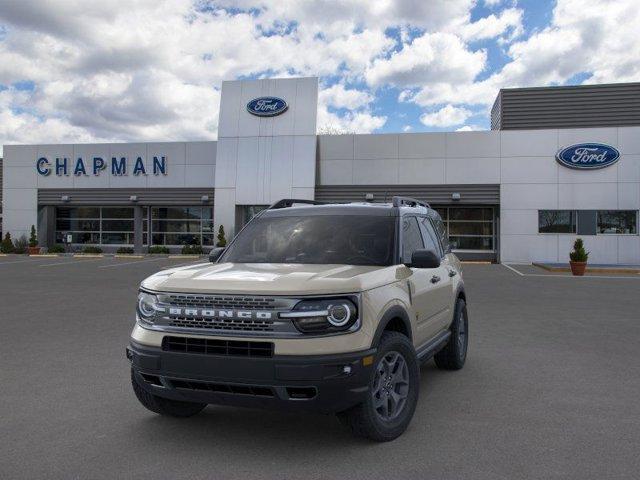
point(253, 390)
point(221, 301)
point(183, 312)
point(206, 346)
point(222, 324)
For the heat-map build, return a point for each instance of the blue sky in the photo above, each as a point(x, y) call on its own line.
point(77, 71)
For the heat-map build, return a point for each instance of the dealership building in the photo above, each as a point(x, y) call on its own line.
point(559, 162)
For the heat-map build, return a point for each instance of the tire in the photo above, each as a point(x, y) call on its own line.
point(164, 406)
point(454, 354)
point(367, 419)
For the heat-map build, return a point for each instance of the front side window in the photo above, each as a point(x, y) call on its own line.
point(316, 239)
point(430, 237)
point(411, 238)
point(618, 221)
point(556, 221)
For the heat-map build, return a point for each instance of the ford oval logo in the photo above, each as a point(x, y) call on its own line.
point(267, 106)
point(588, 156)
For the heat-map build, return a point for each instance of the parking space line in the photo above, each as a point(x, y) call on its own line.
point(513, 269)
point(30, 260)
point(551, 275)
point(130, 263)
point(73, 262)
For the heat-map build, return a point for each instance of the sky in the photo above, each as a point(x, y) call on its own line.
point(74, 71)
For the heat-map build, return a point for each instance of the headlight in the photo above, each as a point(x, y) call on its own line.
point(330, 315)
point(147, 306)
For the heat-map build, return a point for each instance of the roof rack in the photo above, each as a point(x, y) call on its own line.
point(409, 202)
point(289, 202)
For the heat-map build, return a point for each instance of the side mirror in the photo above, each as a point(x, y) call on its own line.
point(425, 259)
point(215, 254)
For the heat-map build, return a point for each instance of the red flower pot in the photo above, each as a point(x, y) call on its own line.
point(33, 250)
point(578, 268)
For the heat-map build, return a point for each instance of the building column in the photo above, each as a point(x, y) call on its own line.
point(46, 227)
point(138, 215)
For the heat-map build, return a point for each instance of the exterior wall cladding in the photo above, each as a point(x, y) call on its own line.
point(521, 162)
point(567, 107)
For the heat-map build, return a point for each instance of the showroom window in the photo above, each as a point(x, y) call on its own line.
point(469, 228)
point(182, 225)
point(95, 225)
point(618, 222)
point(556, 221)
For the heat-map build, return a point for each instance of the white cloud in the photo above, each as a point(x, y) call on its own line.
point(508, 22)
point(340, 97)
point(407, 128)
point(447, 116)
point(433, 57)
point(469, 128)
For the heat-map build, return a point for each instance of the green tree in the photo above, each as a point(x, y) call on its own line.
point(579, 254)
point(33, 238)
point(7, 244)
point(222, 241)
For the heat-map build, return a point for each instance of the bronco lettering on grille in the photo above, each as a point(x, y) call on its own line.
point(216, 313)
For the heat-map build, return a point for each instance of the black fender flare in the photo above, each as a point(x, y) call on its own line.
point(396, 311)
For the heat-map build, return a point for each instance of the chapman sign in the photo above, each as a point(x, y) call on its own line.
point(118, 166)
point(267, 106)
point(588, 156)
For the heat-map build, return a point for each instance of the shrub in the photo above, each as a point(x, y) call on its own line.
point(33, 238)
point(158, 249)
point(579, 254)
point(192, 250)
point(57, 248)
point(20, 245)
point(222, 241)
point(7, 245)
point(125, 250)
point(91, 249)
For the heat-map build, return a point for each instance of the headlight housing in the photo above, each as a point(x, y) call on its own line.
point(147, 307)
point(324, 315)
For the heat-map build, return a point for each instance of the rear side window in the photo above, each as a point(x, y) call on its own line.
point(411, 238)
point(430, 237)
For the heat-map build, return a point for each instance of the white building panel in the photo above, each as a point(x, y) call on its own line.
point(529, 169)
point(529, 143)
point(425, 145)
point(430, 171)
point(369, 147)
point(473, 170)
point(473, 144)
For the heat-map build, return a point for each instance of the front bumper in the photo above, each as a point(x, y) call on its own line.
point(321, 383)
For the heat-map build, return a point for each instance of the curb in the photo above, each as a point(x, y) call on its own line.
point(88, 255)
point(184, 256)
point(127, 255)
point(606, 270)
point(45, 255)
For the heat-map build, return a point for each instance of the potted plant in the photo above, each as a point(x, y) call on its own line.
point(578, 258)
point(33, 249)
point(222, 241)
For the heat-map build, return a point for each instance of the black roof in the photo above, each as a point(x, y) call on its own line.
point(363, 208)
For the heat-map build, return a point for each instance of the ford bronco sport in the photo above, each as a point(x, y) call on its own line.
point(322, 307)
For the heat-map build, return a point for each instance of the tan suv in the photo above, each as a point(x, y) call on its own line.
point(320, 307)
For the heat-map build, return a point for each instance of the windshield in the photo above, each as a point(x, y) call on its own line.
point(319, 239)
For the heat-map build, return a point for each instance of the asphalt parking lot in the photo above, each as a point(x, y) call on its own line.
point(551, 389)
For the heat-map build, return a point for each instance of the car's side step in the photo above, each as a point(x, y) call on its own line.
point(429, 349)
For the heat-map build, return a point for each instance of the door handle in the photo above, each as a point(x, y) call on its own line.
point(435, 279)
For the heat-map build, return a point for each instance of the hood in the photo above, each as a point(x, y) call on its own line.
point(273, 279)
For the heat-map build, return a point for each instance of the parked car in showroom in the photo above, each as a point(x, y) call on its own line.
point(316, 307)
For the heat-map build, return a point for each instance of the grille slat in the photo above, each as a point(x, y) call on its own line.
point(254, 390)
point(206, 301)
point(206, 346)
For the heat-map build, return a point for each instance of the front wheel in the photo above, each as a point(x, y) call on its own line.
point(454, 354)
point(393, 392)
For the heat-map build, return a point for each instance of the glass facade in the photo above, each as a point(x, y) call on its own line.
point(556, 221)
point(95, 225)
point(182, 225)
point(469, 228)
point(624, 222)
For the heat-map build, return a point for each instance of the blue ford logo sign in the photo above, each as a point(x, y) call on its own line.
point(267, 106)
point(588, 156)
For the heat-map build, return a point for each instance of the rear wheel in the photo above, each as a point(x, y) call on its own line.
point(393, 392)
point(164, 406)
point(454, 354)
